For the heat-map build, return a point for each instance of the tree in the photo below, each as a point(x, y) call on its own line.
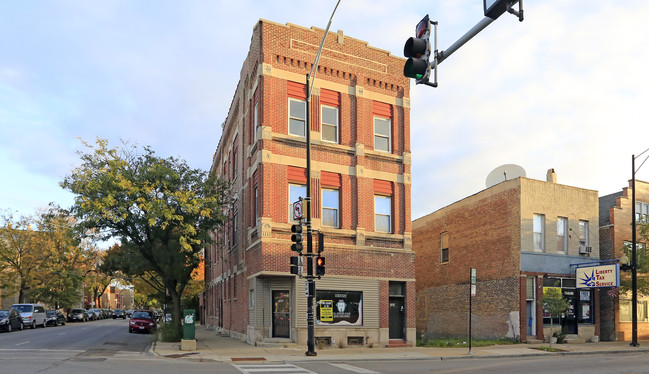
point(20, 255)
point(555, 304)
point(158, 206)
point(64, 255)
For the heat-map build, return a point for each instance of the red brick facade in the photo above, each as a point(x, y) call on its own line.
point(492, 232)
point(248, 284)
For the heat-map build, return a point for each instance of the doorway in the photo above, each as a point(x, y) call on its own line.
point(397, 312)
point(281, 314)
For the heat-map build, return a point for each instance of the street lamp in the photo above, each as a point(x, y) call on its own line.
point(634, 257)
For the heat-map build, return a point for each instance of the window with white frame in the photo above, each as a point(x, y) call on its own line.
point(583, 233)
point(330, 207)
point(329, 125)
point(382, 130)
point(538, 227)
point(297, 117)
point(562, 234)
point(295, 191)
point(382, 213)
point(641, 211)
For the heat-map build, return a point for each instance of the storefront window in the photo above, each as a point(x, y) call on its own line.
point(342, 308)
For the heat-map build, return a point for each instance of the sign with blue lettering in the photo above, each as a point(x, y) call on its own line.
point(598, 276)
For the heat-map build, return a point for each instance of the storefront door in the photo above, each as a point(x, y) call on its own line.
point(281, 314)
point(571, 314)
point(396, 317)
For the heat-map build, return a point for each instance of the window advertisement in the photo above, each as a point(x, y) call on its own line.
point(339, 308)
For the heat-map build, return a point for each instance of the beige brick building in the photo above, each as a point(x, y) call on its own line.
point(521, 235)
point(360, 178)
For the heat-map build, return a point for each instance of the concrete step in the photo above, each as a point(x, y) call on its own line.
point(276, 343)
point(533, 340)
point(398, 343)
point(574, 339)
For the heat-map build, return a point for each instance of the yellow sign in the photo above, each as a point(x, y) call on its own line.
point(326, 310)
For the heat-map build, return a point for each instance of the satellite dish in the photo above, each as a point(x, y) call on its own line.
point(504, 173)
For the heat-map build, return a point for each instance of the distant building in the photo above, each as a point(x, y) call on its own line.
point(360, 178)
point(615, 234)
point(521, 235)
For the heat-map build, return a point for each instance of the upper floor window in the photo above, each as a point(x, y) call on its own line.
point(562, 234)
point(329, 124)
point(330, 207)
point(583, 233)
point(538, 227)
point(295, 191)
point(443, 242)
point(382, 213)
point(382, 130)
point(255, 120)
point(297, 117)
point(641, 211)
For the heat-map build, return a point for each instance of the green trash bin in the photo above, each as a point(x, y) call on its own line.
point(189, 328)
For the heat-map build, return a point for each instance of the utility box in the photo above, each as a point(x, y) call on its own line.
point(189, 327)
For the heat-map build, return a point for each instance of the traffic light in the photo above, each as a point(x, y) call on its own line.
point(296, 265)
point(418, 50)
point(319, 265)
point(296, 238)
point(320, 242)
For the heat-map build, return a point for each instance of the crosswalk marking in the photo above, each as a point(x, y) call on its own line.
point(354, 369)
point(272, 368)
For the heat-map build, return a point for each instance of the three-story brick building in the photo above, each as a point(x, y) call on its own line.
point(360, 188)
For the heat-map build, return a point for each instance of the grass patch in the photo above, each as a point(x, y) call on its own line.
point(461, 343)
point(549, 349)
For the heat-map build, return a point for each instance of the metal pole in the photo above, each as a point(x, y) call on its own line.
point(634, 271)
point(309, 245)
point(470, 312)
point(465, 38)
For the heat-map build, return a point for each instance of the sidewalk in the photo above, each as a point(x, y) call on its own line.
point(211, 346)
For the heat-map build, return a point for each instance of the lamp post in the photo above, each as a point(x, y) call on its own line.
point(634, 257)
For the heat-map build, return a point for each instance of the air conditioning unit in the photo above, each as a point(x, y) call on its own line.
point(584, 250)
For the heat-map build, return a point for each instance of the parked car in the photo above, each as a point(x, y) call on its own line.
point(78, 314)
point(119, 313)
point(142, 320)
point(10, 320)
point(55, 318)
point(93, 315)
point(32, 314)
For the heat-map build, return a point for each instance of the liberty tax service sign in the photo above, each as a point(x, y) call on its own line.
point(598, 276)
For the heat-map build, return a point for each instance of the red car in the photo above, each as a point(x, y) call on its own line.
point(142, 320)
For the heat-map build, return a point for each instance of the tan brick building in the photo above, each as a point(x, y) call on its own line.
point(615, 235)
point(360, 178)
point(520, 235)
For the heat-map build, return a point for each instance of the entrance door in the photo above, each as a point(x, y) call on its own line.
point(571, 313)
point(397, 314)
point(531, 318)
point(281, 314)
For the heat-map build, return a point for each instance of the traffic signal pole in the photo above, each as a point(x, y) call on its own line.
point(310, 318)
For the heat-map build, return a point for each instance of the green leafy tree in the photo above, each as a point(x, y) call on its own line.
point(64, 257)
point(555, 304)
point(20, 255)
point(642, 260)
point(159, 206)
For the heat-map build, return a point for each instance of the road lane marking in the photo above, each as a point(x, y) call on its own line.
point(354, 369)
point(22, 343)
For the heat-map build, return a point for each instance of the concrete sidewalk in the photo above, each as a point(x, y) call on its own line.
point(212, 346)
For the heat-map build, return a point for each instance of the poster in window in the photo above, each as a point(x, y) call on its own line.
point(340, 308)
point(584, 295)
point(585, 311)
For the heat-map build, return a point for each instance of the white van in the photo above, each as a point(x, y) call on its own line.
point(33, 314)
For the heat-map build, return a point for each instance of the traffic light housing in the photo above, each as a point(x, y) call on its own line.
point(296, 238)
point(296, 265)
point(320, 242)
point(418, 50)
point(319, 265)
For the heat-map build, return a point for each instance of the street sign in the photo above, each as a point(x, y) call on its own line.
point(297, 210)
point(473, 290)
point(473, 276)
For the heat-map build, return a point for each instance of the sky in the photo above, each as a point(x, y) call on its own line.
point(567, 88)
